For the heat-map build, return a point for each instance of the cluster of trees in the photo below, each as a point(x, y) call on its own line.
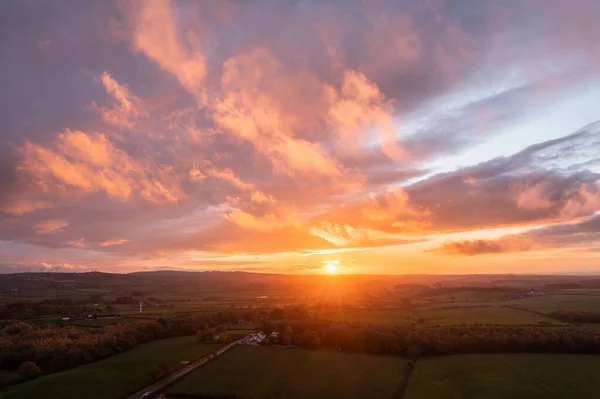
point(53, 347)
point(417, 342)
point(23, 310)
point(576, 316)
point(207, 334)
point(160, 371)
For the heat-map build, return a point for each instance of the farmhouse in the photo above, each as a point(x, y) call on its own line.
point(254, 339)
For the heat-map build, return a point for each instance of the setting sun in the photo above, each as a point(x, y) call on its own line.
point(332, 268)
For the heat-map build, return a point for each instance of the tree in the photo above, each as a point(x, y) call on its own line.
point(201, 336)
point(223, 337)
point(221, 329)
point(276, 314)
point(309, 339)
point(29, 370)
point(286, 335)
point(160, 371)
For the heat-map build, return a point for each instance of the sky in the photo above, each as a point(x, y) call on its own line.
point(382, 137)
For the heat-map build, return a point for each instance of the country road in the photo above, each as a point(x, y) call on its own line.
point(158, 386)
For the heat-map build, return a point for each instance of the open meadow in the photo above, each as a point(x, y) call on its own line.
point(276, 372)
point(481, 315)
point(431, 317)
point(115, 376)
point(551, 303)
point(501, 376)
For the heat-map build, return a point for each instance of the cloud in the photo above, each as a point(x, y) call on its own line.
point(22, 207)
point(156, 34)
point(534, 185)
point(50, 226)
point(250, 112)
point(361, 109)
point(554, 236)
point(127, 107)
point(109, 243)
point(278, 218)
point(78, 243)
point(260, 197)
point(506, 244)
point(91, 163)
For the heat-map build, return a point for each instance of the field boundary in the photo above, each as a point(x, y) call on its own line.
point(158, 386)
point(539, 314)
point(408, 371)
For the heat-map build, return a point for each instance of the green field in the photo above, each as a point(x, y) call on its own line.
point(113, 377)
point(440, 316)
point(481, 315)
point(551, 303)
point(270, 372)
point(514, 376)
point(398, 317)
point(8, 377)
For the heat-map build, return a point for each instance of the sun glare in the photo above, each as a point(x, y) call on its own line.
point(332, 268)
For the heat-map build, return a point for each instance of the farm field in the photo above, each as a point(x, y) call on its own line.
point(515, 376)
point(551, 303)
point(295, 374)
point(397, 317)
point(431, 317)
point(481, 315)
point(115, 376)
point(7, 377)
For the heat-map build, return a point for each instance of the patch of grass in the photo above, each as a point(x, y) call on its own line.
point(515, 376)
point(115, 376)
point(441, 316)
point(397, 317)
point(8, 377)
point(481, 315)
point(550, 303)
point(269, 372)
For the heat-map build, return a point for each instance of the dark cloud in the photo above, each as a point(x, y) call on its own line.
point(527, 187)
point(563, 235)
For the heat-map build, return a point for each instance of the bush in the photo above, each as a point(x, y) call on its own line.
point(29, 370)
point(160, 372)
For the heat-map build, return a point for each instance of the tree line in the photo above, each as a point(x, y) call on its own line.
point(418, 342)
point(51, 347)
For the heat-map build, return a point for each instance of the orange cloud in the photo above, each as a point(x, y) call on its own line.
point(78, 243)
point(157, 36)
point(346, 235)
point(109, 243)
point(278, 218)
point(91, 163)
point(251, 113)
point(228, 176)
point(50, 226)
point(534, 197)
point(583, 201)
point(22, 207)
point(360, 109)
point(127, 106)
point(259, 197)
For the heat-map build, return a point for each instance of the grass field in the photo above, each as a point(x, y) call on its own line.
point(8, 377)
point(113, 377)
point(514, 376)
point(269, 372)
point(550, 303)
point(440, 316)
point(481, 315)
point(398, 317)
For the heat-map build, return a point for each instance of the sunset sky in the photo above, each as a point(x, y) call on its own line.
point(385, 137)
